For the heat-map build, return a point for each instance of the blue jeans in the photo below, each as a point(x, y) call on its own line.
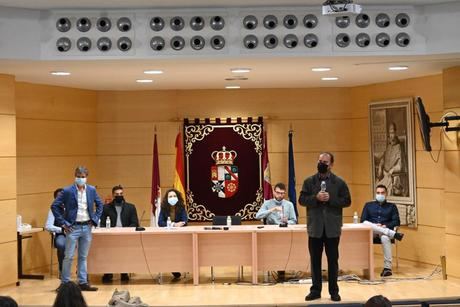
point(82, 235)
point(59, 243)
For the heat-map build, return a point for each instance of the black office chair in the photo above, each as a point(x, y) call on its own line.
point(393, 241)
point(221, 220)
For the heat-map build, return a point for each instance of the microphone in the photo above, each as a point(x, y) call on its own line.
point(323, 186)
point(283, 223)
point(138, 228)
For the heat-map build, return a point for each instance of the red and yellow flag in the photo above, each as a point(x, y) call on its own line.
point(179, 175)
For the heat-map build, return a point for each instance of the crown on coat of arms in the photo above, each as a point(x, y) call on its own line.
point(223, 157)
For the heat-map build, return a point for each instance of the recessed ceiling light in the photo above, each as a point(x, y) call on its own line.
point(329, 78)
point(398, 68)
point(153, 72)
point(319, 69)
point(232, 87)
point(60, 73)
point(240, 70)
point(144, 81)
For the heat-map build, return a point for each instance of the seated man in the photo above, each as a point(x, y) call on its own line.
point(121, 214)
point(276, 211)
point(59, 235)
point(383, 218)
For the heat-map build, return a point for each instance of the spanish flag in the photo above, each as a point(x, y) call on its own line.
point(179, 175)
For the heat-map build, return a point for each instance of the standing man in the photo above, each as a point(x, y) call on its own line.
point(121, 214)
point(325, 195)
point(383, 217)
point(76, 218)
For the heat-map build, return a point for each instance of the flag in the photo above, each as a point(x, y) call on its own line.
point(291, 183)
point(155, 193)
point(179, 177)
point(268, 193)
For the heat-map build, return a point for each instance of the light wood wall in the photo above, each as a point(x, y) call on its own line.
point(56, 131)
point(320, 118)
point(8, 245)
point(451, 85)
point(426, 243)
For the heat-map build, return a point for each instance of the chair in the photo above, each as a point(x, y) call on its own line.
point(221, 220)
point(52, 234)
point(393, 241)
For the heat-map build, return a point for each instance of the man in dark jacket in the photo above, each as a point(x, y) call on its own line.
point(121, 214)
point(325, 195)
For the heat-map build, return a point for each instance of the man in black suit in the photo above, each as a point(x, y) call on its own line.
point(325, 195)
point(121, 214)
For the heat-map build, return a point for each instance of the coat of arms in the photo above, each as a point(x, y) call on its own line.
point(224, 175)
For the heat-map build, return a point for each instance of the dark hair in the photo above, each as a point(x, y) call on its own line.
point(382, 186)
point(329, 154)
point(378, 301)
point(69, 295)
point(81, 170)
point(7, 301)
point(164, 203)
point(280, 186)
point(117, 187)
point(55, 194)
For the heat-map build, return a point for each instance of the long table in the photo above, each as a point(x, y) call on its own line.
point(186, 249)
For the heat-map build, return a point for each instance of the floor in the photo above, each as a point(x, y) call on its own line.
point(410, 280)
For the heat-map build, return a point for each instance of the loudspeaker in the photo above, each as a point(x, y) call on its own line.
point(310, 40)
point(84, 44)
point(250, 42)
point(217, 42)
point(197, 23)
point(290, 21)
point(157, 43)
point(310, 21)
point(124, 24)
point(217, 23)
point(83, 24)
point(177, 43)
point(342, 40)
point(290, 41)
point(362, 20)
point(103, 24)
point(402, 20)
point(250, 22)
point(197, 42)
point(402, 39)
point(270, 41)
point(104, 44)
point(363, 40)
point(124, 43)
point(157, 24)
point(342, 21)
point(63, 44)
point(382, 39)
point(63, 24)
point(382, 20)
point(270, 22)
point(177, 23)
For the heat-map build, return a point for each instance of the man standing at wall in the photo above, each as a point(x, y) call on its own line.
point(325, 195)
point(75, 212)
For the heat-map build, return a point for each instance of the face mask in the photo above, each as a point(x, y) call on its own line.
point(278, 202)
point(380, 198)
point(173, 201)
point(80, 181)
point(322, 168)
point(119, 198)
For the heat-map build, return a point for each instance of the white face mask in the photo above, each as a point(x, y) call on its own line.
point(173, 201)
point(80, 181)
point(380, 198)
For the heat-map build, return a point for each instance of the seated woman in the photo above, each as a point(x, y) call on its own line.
point(173, 206)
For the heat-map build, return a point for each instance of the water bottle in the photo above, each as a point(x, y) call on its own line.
point(229, 220)
point(18, 222)
point(107, 222)
point(355, 218)
point(323, 186)
point(168, 223)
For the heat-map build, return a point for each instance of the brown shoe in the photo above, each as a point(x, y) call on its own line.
point(87, 287)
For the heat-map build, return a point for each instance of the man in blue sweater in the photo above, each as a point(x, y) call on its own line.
point(383, 217)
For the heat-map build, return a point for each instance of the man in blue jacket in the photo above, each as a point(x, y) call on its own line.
point(75, 212)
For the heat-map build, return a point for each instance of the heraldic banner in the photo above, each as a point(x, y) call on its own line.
point(223, 167)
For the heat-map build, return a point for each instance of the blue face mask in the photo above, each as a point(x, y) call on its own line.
point(80, 181)
point(278, 202)
point(173, 201)
point(380, 198)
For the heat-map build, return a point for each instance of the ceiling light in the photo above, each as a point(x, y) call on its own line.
point(240, 70)
point(153, 72)
point(398, 68)
point(232, 87)
point(319, 69)
point(60, 73)
point(329, 78)
point(144, 81)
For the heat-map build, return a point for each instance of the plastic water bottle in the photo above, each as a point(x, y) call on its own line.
point(107, 222)
point(229, 220)
point(168, 223)
point(18, 222)
point(355, 218)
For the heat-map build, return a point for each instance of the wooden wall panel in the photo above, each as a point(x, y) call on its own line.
point(451, 203)
point(452, 171)
point(35, 101)
point(8, 263)
point(7, 178)
point(451, 80)
point(7, 91)
point(7, 135)
point(55, 138)
point(360, 132)
point(8, 225)
point(58, 172)
point(361, 168)
point(430, 207)
point(429, 174)
point(425, 244)
point(453, 255)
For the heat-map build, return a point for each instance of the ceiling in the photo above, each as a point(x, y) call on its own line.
point(287, 72)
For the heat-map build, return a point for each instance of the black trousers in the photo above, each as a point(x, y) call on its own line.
point(315, 247)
